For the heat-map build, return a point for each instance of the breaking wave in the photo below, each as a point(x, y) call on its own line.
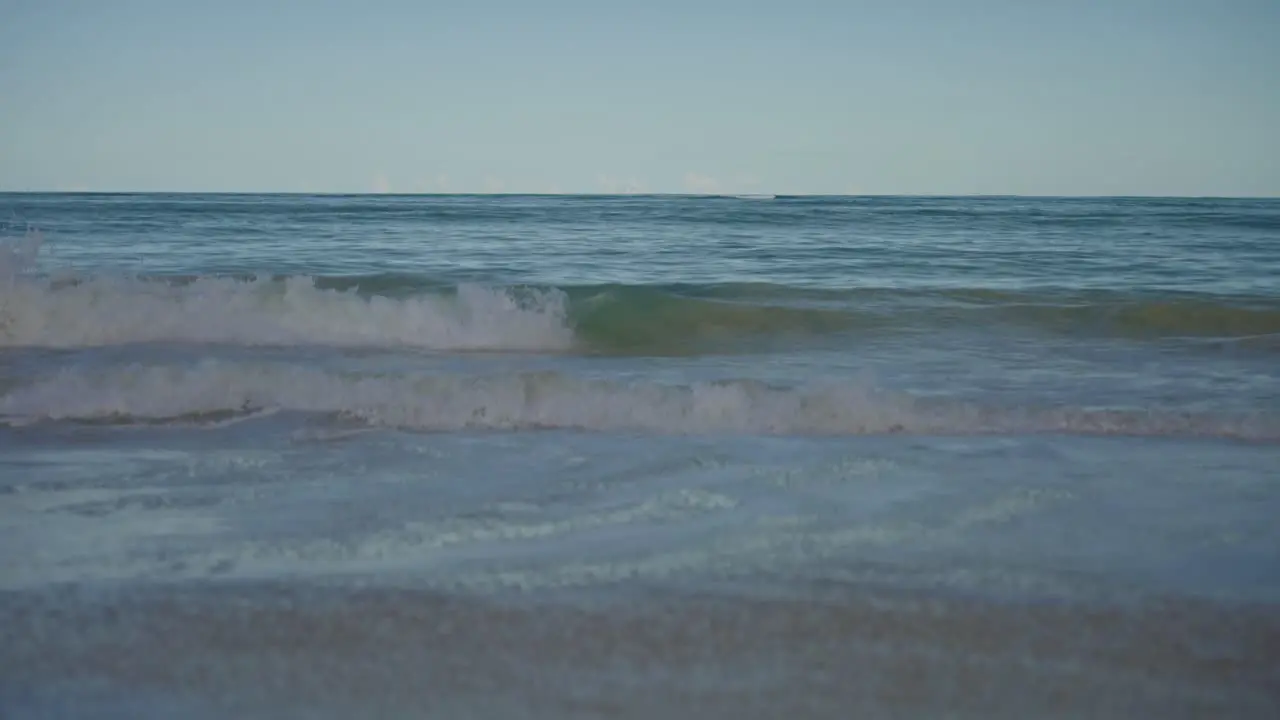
point(213, 391)
point(288, 311)
point(408, 310)
point(415, 312)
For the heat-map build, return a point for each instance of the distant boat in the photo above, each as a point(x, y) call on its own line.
point(755, 196)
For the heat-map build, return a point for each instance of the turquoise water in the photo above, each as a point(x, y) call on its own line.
point(549, 401)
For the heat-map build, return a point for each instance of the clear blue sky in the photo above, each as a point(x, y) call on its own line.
point(1180, 97)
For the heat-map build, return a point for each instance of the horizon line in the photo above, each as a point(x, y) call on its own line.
point(303, 193)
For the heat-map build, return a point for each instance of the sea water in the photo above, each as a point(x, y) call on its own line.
point(651, 456)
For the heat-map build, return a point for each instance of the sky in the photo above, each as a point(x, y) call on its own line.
point(920, 97)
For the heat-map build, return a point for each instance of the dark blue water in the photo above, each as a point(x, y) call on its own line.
point(1210, 247)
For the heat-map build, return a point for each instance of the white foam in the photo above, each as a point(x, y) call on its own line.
point(533, 400)
point(18, 256)
point(100, 311)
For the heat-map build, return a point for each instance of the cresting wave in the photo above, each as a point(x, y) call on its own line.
point(414, 312)
point(218, 390)
point(291, 311)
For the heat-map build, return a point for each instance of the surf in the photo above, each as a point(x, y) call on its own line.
point(422, 313)
point(100, 311)
point(553, 400)
point(66, 310)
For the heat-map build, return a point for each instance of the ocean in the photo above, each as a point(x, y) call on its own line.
point(640, 456)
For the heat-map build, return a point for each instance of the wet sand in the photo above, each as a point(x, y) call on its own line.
point(306, 651)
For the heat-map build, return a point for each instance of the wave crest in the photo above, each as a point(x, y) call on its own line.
point(411, 311)
point(289, 311)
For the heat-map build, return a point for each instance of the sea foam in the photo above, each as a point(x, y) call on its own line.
point(102, 310)
point(213, 389)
